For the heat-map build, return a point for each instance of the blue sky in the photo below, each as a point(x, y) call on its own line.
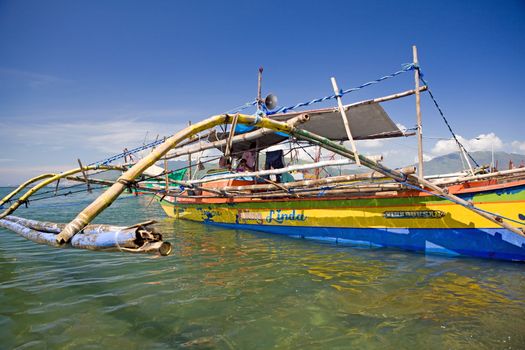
point(83, 79)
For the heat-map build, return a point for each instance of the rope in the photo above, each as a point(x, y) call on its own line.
point(127, 153)
point(158, 142)
point(240, 108)
point(443, 116)
point(58, 205)
point(405, 68)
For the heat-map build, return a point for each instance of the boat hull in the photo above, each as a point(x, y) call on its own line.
point(421, 223)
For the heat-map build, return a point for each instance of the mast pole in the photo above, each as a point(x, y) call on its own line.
point(418, 113)
point(259, 87)
point(189, 158)
point(166, 175)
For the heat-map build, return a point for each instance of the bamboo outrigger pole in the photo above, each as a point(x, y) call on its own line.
point(24, 185)
point(50, 179)
point(106, 198)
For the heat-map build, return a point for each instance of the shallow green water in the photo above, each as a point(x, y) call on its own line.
point(242, 290)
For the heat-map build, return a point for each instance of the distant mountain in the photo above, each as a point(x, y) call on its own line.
point(451, 163)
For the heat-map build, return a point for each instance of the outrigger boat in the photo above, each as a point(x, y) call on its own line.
point(479, 213)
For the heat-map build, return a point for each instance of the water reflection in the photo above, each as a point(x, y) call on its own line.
point(237, 289)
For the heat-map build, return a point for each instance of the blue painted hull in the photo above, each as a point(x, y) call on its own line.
point(488, 243)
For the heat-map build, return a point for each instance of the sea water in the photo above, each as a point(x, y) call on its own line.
point(236, 289)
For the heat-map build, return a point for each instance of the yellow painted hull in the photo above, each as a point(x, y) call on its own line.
point(422, 223)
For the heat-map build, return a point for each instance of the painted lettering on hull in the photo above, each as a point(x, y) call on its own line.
point(414, 214)
point(280, 216)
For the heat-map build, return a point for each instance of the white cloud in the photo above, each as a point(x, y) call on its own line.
point(518, 146)
point(426, 157)
point(483, 142)
point(11, 176)
point(103, 136)
point(401, 127)
point(45, 147)
point(375, 143)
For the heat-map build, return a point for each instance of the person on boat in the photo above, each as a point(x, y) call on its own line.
point(224, 163)
point(243, 166)
point(249, 157)
point(275, 160)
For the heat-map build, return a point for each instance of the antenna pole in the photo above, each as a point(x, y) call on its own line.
point(418, 113)
point(259, 83)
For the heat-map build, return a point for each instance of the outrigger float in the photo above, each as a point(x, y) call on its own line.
point(478, 213)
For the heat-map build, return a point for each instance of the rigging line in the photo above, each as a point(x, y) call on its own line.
point(305, 151)
point(172, 171)
point(65, 187)
point(443, 116)
point(63, 194)
point(61, 189)
point(157, 142)
point(242, 107)
point(405, 68)
point(55, 205)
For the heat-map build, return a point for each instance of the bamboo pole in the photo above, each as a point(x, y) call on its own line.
point(56, 187)
point(275, 184)
point(24, 185)
point(418, 113)
point(395, 174)
point(189, 158)
point(276, 171)
point(254, 135)
point(84, 174)
point(519, 173)
point(494, 218)
point(388, 97)
point(106, 198)
point(464, 154)
point(43, 176)
point(345, 120)
point(166, 175)
point(135, 239)
point(49, 180)
point(308, 192)
point(230, 137)
point(325, 181)
point(360, 103)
